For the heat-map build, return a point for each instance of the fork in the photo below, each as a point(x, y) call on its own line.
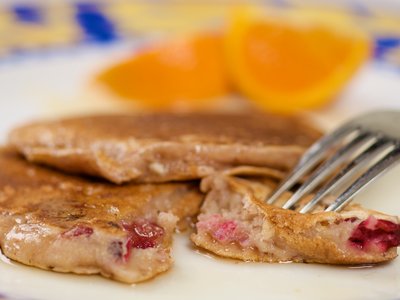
point(349, 158)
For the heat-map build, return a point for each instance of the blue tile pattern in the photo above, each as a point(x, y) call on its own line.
point(27, 13)
point(94, 23)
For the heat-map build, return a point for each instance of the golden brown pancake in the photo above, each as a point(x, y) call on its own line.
point(71, 224)
point(235, 222)
point(164, 147)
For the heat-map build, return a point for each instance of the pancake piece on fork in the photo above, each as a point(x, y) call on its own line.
point(164, 147)
point(235, 222)
point(73, 224)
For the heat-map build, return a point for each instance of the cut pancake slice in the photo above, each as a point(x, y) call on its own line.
point(164, 147)
point(71, 224)
point(235, 222)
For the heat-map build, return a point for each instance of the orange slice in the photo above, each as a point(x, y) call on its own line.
point(289, 63)
point(178, 73)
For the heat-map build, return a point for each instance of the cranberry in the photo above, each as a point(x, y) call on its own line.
point(78, 231)
point(381, 233)
point(224, 231)
point(142, 235)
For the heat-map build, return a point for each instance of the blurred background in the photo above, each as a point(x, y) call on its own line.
point(328, 58)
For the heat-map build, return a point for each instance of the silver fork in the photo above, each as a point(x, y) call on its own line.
point(361, 149)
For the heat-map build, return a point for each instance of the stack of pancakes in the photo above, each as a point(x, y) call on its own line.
point(104, 195)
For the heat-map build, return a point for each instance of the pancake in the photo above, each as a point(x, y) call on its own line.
point(164, 147)
point(71, 224)
point(234, 222)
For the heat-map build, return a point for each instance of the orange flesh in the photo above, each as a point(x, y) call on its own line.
point(290, 64)
point(283, 58)
point(182, 70)
point(280, 65)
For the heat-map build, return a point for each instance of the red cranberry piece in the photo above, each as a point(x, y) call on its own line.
point(387, 225)
point(381, 233)
point(142, 235)
point(78, 231)
point(225, 231)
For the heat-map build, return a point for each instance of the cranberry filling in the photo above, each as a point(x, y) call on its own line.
point(142, 235)
point(381, 233)
point(224, 231)
point(78, 231)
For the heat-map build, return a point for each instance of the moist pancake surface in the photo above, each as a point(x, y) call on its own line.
point(72, 224)
point(164, 147)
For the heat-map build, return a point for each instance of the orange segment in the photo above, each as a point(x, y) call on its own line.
point(289, 64)
point(185, 72)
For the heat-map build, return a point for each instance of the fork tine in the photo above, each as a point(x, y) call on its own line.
point(311, 158)
point(383, 165)
point(379, 148)
point(363, 140)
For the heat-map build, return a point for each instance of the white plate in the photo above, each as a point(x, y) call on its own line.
point(57, 85)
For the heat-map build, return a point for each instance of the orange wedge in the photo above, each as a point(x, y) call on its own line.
point(187, 72)
point(289, 63)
